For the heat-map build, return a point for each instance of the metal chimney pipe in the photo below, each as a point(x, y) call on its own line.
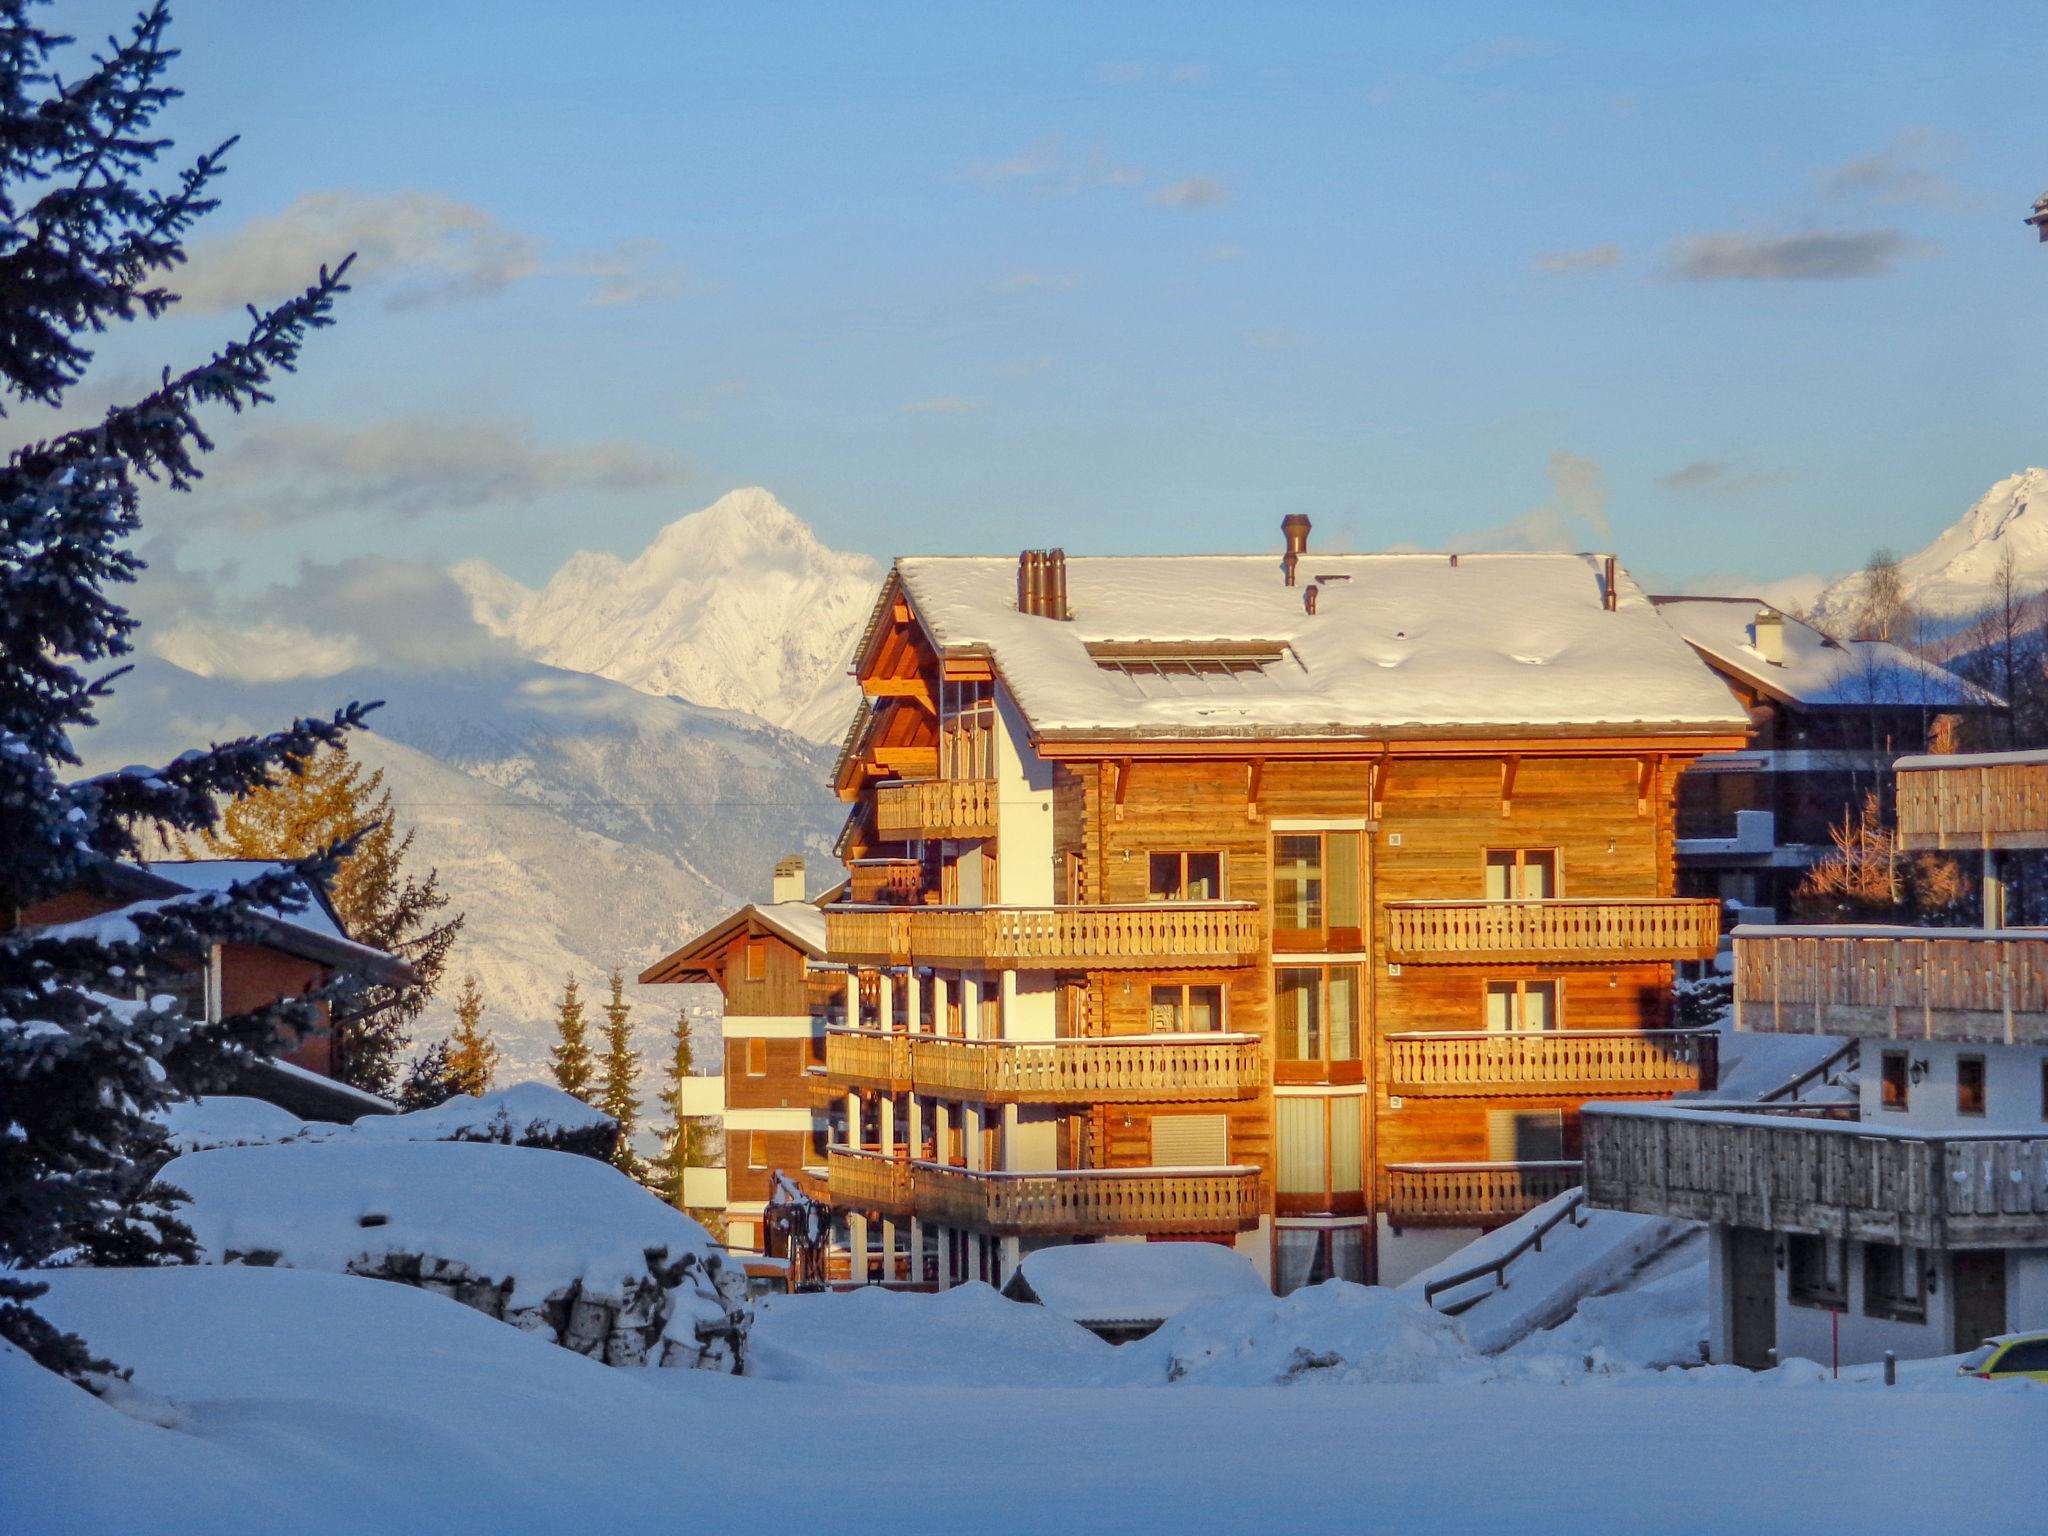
point(1308, 599)
point(1056, 585)
point(1610, 599)
point(1294, 527)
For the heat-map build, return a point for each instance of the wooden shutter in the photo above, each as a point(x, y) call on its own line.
point(1191, 1141)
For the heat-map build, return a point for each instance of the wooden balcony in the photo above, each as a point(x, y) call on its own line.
point(1993, 800)
point(886, 882)
point(1144, 936)
point(868, 1180)
point(1956, 984)
point(1092, 1201)
point(1130, 1069)
point(1470, 1194)
point(1830, 1177)
point(1582, 931)
point(1552, 1063)
point(921, 808)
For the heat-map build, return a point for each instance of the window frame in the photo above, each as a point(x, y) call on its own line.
point(1323, 1067)
point(1181, 856)
point(1329, 1200)
point(1831, 1294)
point(757, 1055)
point(1886, 1080)
point(1326, 939)
point(1894, 1283)
point(1181, 1009)
point(1520, 1010)
point(1521, 859)
point(757, 1151)
point(756, 960)
point(1975, 1062)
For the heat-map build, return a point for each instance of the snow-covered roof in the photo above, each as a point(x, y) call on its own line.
point(1400, 644)
point(802, 923)
point(315, 916)
point(1818, 671)
point(1134, 1283)
point(1972, 760)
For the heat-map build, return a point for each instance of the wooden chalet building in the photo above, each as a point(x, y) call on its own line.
point(1828, 718)
point(292, 954)
point(1913, 1218)
point(1294, 904)
point(768, 962)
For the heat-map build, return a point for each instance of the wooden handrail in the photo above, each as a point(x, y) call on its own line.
point(1472, 1194)
point(1141, 935)
point(1582, 929)
point(1847, 1053)
point(1091, 1200)
point(920, 808)
point(1104, 1070)
point(1573, 1211)
point(1483, 1063)
point(1967, 986)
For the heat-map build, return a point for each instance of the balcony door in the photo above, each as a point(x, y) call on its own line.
point(1521, 874)
point(1319, 892)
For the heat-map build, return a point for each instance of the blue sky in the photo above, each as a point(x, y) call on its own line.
point(1740, 290)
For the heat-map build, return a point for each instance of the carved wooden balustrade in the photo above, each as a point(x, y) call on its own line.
point(1588, 930)
point(1147, 935)
point(1546, 1062)
point(921, 808)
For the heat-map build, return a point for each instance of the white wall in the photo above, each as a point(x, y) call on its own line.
point(2012, 1075)
point(1024, 867)
point(1806, 1332)
point(1406, 1254)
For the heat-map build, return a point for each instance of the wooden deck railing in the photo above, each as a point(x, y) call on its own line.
point(1546, 1062)
point(1963, 985)
point(1989, 801)
point(1083, 1202)
point(1113, 1070)
point(1576, 930)
point(1837, 1178)
point(1147, 935)
point(1471, 1194)
point(868, 1180)
point(917, 808)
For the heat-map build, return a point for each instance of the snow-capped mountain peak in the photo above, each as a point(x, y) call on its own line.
point(739, 606)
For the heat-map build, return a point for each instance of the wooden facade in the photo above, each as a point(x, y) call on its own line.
point(1104, 1008)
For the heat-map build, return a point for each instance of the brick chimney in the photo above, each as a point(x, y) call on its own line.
point(789, 878)
point(1294, 528)
point(1042, 583)
point(1768, 635)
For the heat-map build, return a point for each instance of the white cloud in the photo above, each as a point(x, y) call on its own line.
point(1901, 173)
point(402, 469)
point(631, 272)
point(941, 405)
point(1593, 258)
point(1820, 255)
point(1713, 477)
point(1192, 192)
point(1227, 253)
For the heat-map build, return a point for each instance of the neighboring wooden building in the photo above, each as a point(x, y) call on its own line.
point(296, 953)
point(1915, 1218)
point(1294, 904)
point(1827, 720)
point(780, 998)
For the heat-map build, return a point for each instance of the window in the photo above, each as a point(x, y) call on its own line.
point(1892, 1283)
point(1521, 874)
point(757, 1149)
point(757, 1058)
point(1318, 885)
point(1514, 1005)
point(1970, 1092)
point(1311, 1255)
point(1892, 1080)
point(2031, 1355)
point(1524, 1136)
point(2044, 1090)
point(1316, 1013)
point(1186, 877)
point(757, 959)
point(1184, 1010)
point(1816, 1271)
point(1318, 1145)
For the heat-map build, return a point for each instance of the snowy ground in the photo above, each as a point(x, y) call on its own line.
point(282, 1400)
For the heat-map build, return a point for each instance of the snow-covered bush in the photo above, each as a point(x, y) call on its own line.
point(557, 1245)
point(524, 1115)
point(1702, 1002)
point(1333, 1332)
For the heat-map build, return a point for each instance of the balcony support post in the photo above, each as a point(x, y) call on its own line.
point(942, 1128)
point(1994, 890)
point(887, 1101)
point(852, 997)
point(941, 1023)
point(916, 1136)
point(913, 1001)
point(857, 1247)
point(1011, 1154)
point(1007, 1017)
point(977, 1144)
point(970, 1006)
point(853, 1125)
point(885, 999)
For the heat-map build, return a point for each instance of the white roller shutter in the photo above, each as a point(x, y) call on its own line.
point(1190, 1141)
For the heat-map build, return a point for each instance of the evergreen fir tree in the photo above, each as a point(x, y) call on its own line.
point(571, 1055)
point(683, 1140)
point(429, 1081)
point(621, 1072)
point(92, 1041)
point(472, 1053)
point(328, 799)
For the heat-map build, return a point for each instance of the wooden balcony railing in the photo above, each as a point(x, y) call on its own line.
point(1993, 800)
point(1963, 985)
point(1471, 1194)
point(1552, 1063)
point(919, 808)
point(1126, 1069)
point(888, 882)
point(1829, 1177)
point(1149, 936)
point(1564, 932)
point(1092, 1201)
point(868, 1180)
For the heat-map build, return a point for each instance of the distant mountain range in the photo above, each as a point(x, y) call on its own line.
point(1951, 578)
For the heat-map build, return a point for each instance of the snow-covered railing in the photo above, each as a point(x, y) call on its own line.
point(1580, 929)
point(1984, 800)
point(1493, 1063)
point(1146, 935)
point(1832, 1177)
point(1102, 1070)
point(1471, 1194)
point(868, 1179)
point(918, 808)
point(1973, 986)
point(1572, 1210)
